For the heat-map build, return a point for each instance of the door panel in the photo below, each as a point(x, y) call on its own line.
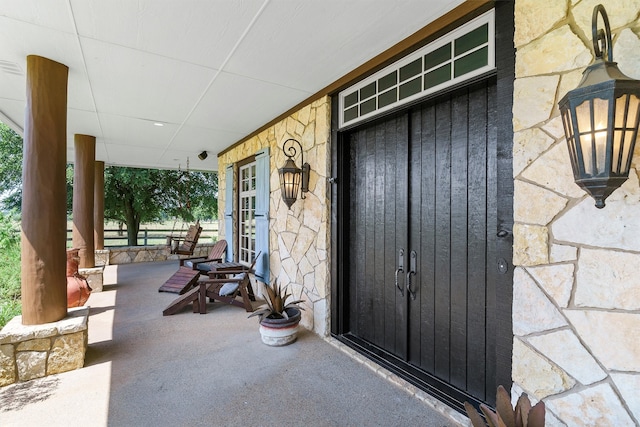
point(424, 175)
point(421, 181)
point(379, 214)
point(452, 234)
point(481, 219)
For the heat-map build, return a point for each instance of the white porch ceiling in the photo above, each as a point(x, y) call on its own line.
point(212, 71)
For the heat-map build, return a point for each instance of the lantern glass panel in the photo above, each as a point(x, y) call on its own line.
point(633, 118)
point(618, 136)
point(624, 161)
point(592, 121)
point(571, 142)
point(600, 119)
point(289, 184)
point(625, 132)
point(630, 118)
point(583, 114)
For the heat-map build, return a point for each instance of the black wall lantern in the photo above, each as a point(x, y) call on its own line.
point(601, 118)
point(292, 176)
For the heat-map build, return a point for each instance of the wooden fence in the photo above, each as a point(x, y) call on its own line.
point(114, 237)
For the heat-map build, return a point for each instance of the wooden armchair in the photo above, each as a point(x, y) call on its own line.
point(228, 285)
point(218, 287)
point(204, 264)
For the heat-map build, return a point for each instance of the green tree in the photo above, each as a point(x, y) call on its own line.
point(10, 303)
point(11, 146)
point(134, 196)
point(10, 168)
point(203, 195)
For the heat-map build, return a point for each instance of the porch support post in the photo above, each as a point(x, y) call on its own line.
point(98, 206)
point(44, 193)
point(83, 187)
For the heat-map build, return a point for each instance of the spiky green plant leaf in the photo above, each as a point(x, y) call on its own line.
point(261, 311)
point(276, 304)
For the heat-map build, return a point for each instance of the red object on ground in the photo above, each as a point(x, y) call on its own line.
point(78, 289)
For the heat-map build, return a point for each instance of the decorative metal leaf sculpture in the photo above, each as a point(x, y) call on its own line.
point(536, 415)
point(505, 416)
point(474, 416)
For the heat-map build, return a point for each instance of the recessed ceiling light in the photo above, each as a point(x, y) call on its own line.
point(158, 124)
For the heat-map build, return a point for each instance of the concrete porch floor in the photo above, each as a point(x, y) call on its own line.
point(143, 369)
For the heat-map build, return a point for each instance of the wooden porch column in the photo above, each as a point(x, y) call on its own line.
point(98, 206)
point(83, 187)
point(44, 193)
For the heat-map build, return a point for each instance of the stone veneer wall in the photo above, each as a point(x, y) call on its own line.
point(28, 352)
point(129, 254)
point(298, 237)
point(576, 307)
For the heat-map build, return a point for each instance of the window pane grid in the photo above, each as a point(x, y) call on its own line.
point(246, 216)
point(462, 54)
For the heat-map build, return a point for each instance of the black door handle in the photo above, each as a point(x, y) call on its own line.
point(413, 261)
point(400, 269)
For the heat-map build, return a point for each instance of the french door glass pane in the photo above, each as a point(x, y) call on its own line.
point(246, 217)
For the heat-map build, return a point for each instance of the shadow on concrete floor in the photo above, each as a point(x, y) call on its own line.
point(143, 369)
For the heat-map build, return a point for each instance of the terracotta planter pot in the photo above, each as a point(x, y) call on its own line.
point(279, 332)
point(78, 289)
point(73, 260)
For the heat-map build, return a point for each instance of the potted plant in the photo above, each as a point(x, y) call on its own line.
point(278, 319)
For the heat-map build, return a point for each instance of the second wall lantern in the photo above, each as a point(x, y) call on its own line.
point(292, 178)
point(601, 119)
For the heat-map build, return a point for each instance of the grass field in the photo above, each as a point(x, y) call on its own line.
point(9, 270)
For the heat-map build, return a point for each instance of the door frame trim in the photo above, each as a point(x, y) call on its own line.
point(505, 75)
point(443, 391)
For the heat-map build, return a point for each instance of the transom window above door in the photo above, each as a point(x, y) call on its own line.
point(462, 54)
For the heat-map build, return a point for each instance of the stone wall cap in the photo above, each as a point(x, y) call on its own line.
point(14, 331)
point(77, 320)
point(92, 270)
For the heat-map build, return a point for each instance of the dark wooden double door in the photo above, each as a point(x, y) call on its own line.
point(423, 258)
